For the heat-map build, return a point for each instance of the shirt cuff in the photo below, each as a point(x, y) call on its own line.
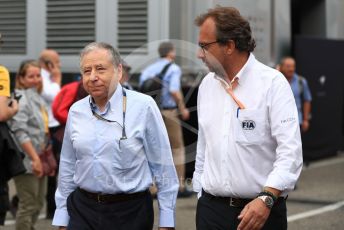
point(196, 182)
point(61, 218)
point(282, 183)
point(166, 218)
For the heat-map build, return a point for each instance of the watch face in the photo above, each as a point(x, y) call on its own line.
point(269, 201)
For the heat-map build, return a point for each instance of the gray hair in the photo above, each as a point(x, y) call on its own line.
point(114, 54)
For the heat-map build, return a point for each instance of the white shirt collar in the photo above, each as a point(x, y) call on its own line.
point(241, 74)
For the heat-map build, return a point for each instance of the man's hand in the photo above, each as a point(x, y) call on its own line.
point(55, 72)
point(56, 75)
point(62, 228)
point(52, 173)
point(305, 126)
point(254, 215)
point(185, 114)
point(37, 167)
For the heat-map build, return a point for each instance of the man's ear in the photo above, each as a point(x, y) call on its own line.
point(230, 47)
point(119, 71)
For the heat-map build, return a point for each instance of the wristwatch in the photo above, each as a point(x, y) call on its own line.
point(268, 200)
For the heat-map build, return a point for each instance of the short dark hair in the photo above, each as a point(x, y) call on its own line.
point(165, 48)
point(230, 25)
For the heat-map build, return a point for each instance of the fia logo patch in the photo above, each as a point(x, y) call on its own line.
point(248, 125)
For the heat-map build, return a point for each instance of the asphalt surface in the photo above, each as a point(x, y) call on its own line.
point(317, 203)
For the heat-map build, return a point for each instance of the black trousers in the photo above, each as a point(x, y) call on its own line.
point(88, 214)
point(214, 214)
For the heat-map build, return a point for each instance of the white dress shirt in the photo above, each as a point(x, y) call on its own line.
point(95, 159)
point(241, 151)
point(50, 90)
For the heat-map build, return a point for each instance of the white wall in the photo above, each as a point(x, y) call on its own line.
point(335, 19)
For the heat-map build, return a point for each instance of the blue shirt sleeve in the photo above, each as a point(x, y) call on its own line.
point(160, 160)
point(66, 184)
point(176, 74)
point(307, 96)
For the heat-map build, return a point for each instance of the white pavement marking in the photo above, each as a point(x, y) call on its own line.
point(315, 212)
point(12, 222)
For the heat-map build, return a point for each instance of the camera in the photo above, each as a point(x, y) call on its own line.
point(15, 97)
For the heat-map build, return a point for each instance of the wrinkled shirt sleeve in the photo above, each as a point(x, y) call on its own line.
point(66, 184)
point(19, 122)
point(175, 79)
point(159, 155)
point(307, 96)
point(200, 155)
point(285, 129)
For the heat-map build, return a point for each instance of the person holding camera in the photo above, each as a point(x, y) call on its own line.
point(8, 108)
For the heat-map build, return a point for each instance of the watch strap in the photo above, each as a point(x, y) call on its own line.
point(267, 193)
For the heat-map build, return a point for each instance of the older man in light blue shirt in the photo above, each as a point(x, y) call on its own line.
point(115, 145)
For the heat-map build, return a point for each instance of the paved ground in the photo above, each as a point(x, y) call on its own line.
point(317, 204)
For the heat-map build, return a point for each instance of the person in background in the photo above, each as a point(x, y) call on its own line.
point(8, 108)
point(30, 128)
point(49, 61)
point(249, 152)
point(172, 106)
point(299, 86)
point(115, 143)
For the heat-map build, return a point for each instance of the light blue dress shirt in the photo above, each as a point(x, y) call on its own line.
point(295, 87)
point(172, 80)
point(93, 159)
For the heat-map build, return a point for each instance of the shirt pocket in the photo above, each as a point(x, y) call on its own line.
point(250, 126)
point(130, 153)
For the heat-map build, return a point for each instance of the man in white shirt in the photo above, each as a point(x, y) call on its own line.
point(51, 74)
point(249, 148)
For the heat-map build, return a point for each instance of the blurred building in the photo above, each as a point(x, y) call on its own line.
point(136, 26)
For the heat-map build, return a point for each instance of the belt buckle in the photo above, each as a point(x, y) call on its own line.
point(231, 202)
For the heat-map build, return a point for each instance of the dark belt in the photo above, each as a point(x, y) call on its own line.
point(235, 202)
point(110, 198)
point(169, 108)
